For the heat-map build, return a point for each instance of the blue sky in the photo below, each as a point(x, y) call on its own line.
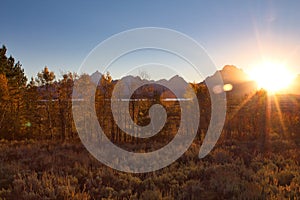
point(60, 34)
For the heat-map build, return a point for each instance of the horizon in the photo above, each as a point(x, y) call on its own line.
point(61, 34)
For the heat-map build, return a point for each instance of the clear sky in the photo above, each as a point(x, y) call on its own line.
point(60, 34)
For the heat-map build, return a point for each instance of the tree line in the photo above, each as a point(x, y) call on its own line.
point(41, 108)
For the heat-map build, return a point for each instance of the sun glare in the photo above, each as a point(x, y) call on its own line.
point(272, 77)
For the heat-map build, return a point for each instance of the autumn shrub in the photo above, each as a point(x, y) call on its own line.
point(48, 186)
point(55, 170)
point(285, 177)
point(7, 172)
point(151, 195)
point(222, 156)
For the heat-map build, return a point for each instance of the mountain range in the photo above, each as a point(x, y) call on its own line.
point(239, 81)
point(235, 77)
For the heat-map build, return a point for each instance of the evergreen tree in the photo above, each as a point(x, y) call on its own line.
point(16, 83)
point(45, 80)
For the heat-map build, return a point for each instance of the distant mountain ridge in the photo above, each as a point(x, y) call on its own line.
point(236, 77)
point(96, 77)
point(177, 83)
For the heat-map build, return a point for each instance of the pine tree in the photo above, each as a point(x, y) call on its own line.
point(16, 83)
point(45, 79)
point(65, 104)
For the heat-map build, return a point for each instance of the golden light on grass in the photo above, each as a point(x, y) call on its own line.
point(271, 76)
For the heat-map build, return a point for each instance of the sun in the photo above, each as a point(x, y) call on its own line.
point(272, 77)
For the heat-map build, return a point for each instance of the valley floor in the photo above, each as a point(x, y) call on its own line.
point(233, 170)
